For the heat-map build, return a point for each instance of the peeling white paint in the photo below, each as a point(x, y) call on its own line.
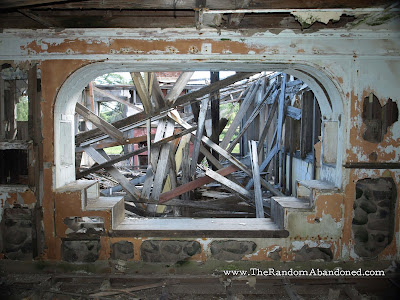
point(310, 18)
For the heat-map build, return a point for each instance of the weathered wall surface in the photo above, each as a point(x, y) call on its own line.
point(357, 64)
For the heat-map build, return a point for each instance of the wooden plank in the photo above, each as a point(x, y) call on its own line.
point(199, 134)
point(263, 165)
point(306, 134)
point(142, 90)
point(266, 127)
point(191, 97)
point(194, 184)
point(2, 111)
point(157, 94)
point(14, 145)
point(134, 140)
point(185, 176)
point(229, 184)
point(281, 106)
point(178, 87)
point(100, 123)
point(256, 178)
point(215, 114)
point(293, 112)
point(152, 163)
point(115, 98)
point(255, 113)
point(136, 152)
point(162, 164)
point(113, 171)
point(240, 114)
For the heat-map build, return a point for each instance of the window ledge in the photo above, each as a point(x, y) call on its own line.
point(202, 228)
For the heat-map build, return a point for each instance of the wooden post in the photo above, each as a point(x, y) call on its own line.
point(2, 111)
point(256, 177)
point(306, 143)
point(35, 125)
point(215, 103)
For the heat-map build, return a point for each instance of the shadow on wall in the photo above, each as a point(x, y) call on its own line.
point(378, 118)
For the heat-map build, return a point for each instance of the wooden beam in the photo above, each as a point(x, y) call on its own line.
point(215, 113)
point(194, 184)
point(136, 152)
point(240, 114)
point(256, 178)
point(134, 140)
point(157, 93)
point(229, 184)
point(266, 127)
point(256, 111)
point(199, 134)
point(100, 123)
point(306, 134)
point(115, 98)
point(281, 106)
point(113, 171)
point(178, 87)
point(162, 164)
point(293, 112)
point(2, 110)
point(8, 4)
point(31, 15)
point(142, 90)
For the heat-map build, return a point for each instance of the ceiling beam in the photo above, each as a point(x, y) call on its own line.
point(42, 21)
point(11, 4)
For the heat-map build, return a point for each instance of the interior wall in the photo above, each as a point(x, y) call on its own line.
point(341, 62)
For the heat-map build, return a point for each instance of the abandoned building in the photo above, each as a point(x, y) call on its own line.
point(178, 149)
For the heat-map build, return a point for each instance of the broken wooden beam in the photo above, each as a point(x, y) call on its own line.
point(113, 171)
point(229, 184)
point(100, 123)
point(178, 87)
point(194, 184)
point(136, 152)
point(115, 98)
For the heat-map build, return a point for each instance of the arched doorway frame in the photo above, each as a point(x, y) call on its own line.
point(328, 94)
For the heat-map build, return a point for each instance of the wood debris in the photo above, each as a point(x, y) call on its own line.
point(180, 153)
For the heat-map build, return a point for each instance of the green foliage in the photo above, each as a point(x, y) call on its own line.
point(112, 78)
point(22, 109)
point(111, 114)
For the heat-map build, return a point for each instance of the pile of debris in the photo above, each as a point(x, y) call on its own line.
point(191, 170)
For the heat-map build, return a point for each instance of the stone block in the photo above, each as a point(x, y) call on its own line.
point(84, 251)
point(122, 250)
point(374, 215)
point(168, 251)
point(315, 253)
point(231, 250)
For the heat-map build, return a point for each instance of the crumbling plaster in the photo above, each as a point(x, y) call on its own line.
point(356, 63)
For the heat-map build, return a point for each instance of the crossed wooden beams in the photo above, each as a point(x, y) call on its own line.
point(168, 149)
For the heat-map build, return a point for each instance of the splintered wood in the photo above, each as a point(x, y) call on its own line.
point(192, 150)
